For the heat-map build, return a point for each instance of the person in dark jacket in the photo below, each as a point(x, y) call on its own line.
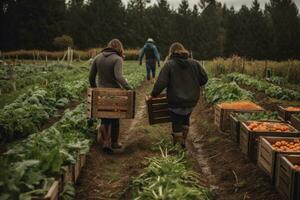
point(152, 56)
point(182, 77)
point(108, 66)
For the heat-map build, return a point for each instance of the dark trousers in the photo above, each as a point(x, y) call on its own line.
point(115, 126)
point(178, 121)
point(151, 68)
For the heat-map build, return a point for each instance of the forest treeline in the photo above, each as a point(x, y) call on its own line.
point(210, 29)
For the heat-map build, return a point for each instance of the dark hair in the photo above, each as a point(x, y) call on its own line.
point(177, 48)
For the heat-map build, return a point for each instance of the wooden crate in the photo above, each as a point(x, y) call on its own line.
point(52, 194)
point(110, 103)
point(222, 116)
point(249, 139)
point(158, 110)
point(288, 179)
point(295, 122)
point(268, 156)
point(285, 114)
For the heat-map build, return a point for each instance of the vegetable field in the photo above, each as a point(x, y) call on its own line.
point(49, 146)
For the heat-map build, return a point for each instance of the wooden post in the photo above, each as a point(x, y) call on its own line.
point(46, 60)
point(289, 71)
point(72, 54)
point(243, 65)
point(265, 70)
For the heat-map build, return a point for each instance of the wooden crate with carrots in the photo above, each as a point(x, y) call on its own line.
point(110, 103)
point(285, 112)
point(288, 177)
point(252, 130)
point(269, 150)
point(223, 111)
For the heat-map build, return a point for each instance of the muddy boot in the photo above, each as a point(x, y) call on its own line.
point(115, 132)
point(106, 138)
point(185, 131)
point(178, 138)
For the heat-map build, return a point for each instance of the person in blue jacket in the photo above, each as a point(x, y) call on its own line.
point(152, 56)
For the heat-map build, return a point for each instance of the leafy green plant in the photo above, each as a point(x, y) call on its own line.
point(218, 91)
point(257, 116)
point(167, 177)
point(269, 89)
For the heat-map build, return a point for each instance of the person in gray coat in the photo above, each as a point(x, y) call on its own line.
point(108, 66)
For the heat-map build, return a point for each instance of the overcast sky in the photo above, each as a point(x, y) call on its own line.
point(235, 3)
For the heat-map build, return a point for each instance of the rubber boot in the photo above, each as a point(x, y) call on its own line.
point(106, 138)
point(115, 132)
point(185, 131)
point(178, 138)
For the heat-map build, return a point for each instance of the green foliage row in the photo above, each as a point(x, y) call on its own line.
point(217, 91)
point(168, 177)
point(31, 110)
point(257, 116)
point(28, 167)
point(26, 75)
point(269, 89)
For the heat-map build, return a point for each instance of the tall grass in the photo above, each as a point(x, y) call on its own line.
point(131, 54)
point(290, 70)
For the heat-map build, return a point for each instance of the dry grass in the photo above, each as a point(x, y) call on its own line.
point(286, 69)
point(131, 54)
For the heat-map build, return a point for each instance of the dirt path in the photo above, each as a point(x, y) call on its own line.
point(214, 156)
point(107, 176)
point(221, 161)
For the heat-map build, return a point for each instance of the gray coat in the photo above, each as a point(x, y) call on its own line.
point(108, 65)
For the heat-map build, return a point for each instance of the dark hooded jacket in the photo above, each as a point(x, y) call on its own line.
point(108, 65)
point(182, 77)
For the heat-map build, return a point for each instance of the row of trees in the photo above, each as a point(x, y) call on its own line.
point(210, 29)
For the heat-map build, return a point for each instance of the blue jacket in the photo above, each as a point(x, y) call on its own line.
point(151, 52)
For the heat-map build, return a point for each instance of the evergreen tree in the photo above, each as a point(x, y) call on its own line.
point(286, 28)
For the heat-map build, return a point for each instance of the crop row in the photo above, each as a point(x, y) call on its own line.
point(219, 91)
point(28, 168)
point(169, 177)
point(26, 75)
point(269, 89)
point(33, 109)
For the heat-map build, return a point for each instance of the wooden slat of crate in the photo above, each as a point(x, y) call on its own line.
point(68, 174)
point(235, 128)
point(222, 116)
point(76, 170)
point(288, 179)
point(158, 110)
point(109, 92)
point(82, 160)
point(284, 114)
point(250, 138)
point(295, 122)
point(268, 156)
point(52, 194)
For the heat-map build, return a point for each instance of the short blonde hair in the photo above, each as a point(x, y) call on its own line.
point(117, 45)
